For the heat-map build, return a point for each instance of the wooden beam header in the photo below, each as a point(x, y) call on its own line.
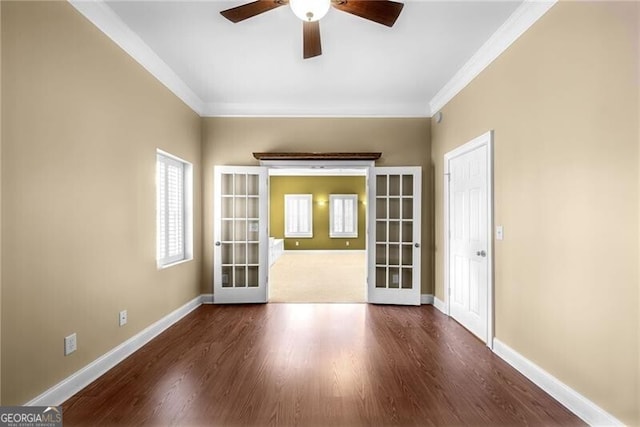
point(317, 156)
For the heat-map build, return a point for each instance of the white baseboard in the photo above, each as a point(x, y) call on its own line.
point(207, 298)
point(426, 299)
point(439, 304)
point(588, 411)
point(66, 388)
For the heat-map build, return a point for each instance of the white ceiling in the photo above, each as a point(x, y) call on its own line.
point(255, 67)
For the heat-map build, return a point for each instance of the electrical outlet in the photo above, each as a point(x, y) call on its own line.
point(70, 344)
point(297, 243)
point(347, 243)
point(123, 317)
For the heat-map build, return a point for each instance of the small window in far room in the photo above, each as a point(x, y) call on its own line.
point(343, 216)
point(174, 210)
point(298, 215)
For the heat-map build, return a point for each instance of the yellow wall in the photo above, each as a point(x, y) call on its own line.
point(563, 101)
point(320, 187)
point(230, 141)
point(82, 121)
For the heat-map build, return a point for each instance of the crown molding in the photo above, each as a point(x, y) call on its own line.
point(415, 110)
point(519, 22)
point(107, 21)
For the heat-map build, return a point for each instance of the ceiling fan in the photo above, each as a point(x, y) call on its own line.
point(384, 12)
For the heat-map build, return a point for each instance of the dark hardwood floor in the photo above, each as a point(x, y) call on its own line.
point(314, 365)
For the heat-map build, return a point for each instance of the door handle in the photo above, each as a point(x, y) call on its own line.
point(481, 253)
point(217, 243)
point(417, 245)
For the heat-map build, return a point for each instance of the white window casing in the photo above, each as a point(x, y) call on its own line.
point(343, 215)
point(298, 215)
point(174, 210)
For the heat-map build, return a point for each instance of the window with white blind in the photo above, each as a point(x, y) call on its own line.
point(174, 227)
point(298, 215)
point(343, 215)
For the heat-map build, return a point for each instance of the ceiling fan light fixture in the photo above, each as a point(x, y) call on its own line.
point(310, 10)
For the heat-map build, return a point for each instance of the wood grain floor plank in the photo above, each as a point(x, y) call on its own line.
point(314, 365)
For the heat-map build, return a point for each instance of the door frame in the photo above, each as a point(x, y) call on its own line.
point(364, 165)
point(485, 139)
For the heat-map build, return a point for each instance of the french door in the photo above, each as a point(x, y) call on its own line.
point(240, 235)
point(394, 235)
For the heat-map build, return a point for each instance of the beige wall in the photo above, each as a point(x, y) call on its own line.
point(563, 101)
point(320, 187)
point(230, 141)
point(82, 121)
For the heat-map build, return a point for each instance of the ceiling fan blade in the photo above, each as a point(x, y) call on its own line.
point(245, 11)
point(311, 39)
point(383, 12)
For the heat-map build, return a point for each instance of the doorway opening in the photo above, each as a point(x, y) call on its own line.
point(317, 235)
point(391, 235)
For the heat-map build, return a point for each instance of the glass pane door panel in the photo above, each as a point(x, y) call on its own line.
point(240, 207)
point(227, 230)
point(227, 253)
point(407, 185)
point(407, 208)
point(253, 254)
point(240, 185)
point(407, 254)
point(227, 207)
point(253, 185)
point(394, 277)
point(394, 232)
point(381, 254)
point(381, 231)
point(381, 185)
point(381, 208)
point(407, 232)
point(253, 207)
point(227, 276)
point(239, 277)
point(240, 230)
point(253, 231)
point(227, 185)
point(394, 185)
point(394, 208)
point(252, 277)
point(240, 254)
point(407, 278)
point(394, 255)
point(381, 277)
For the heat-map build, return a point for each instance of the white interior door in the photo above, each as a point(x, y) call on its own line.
point(468, 239)
point(394, 235)
point(240, 235)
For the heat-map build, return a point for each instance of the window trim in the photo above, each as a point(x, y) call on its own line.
point(343, 234)
point(187, 197)
point(308, 198)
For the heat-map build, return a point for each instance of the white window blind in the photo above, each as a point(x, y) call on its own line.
point(343, 215)
point(171, 209)
point(298, 215)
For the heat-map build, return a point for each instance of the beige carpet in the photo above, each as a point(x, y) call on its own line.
point(299, 276)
